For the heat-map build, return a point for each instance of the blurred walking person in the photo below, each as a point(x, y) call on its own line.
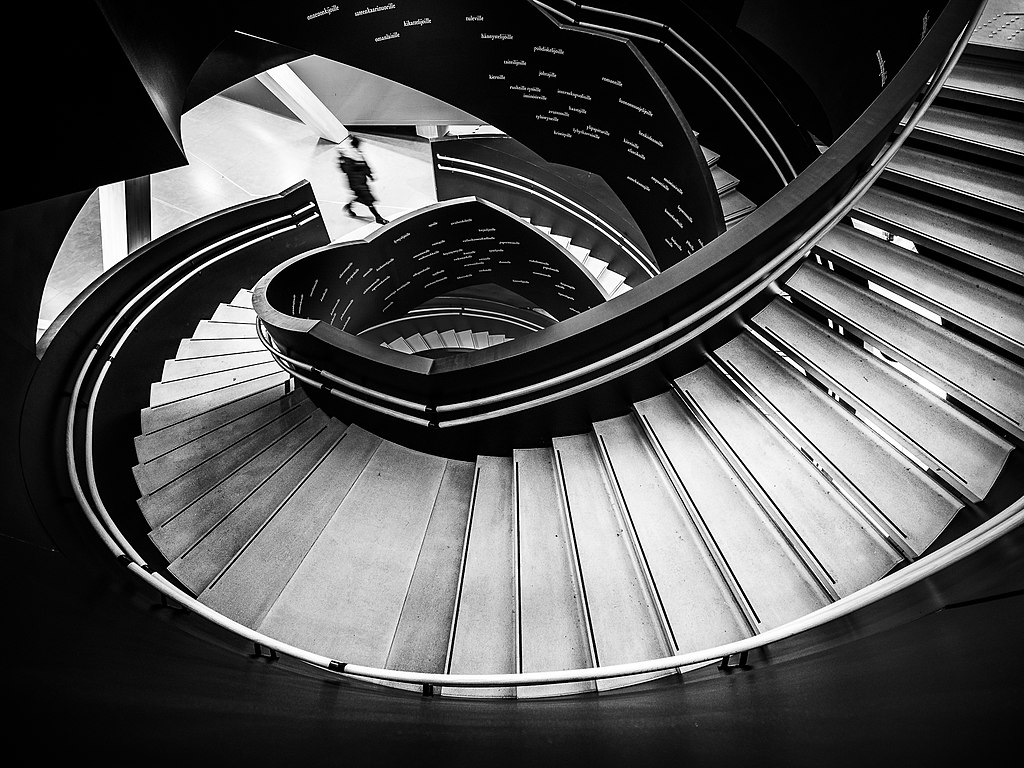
point(357, 171)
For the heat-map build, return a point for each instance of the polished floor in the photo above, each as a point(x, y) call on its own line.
point(238, 152)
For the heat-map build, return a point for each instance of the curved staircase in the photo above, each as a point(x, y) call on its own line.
point(831, 441)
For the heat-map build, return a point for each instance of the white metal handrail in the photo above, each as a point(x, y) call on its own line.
point(980, 537)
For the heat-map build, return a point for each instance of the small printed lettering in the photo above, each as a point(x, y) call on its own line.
point(641, 110)
point(375, 9)
point(642, 186)
point(325, 12)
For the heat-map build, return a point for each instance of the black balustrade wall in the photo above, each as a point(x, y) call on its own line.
point(441, 249)
point(827, 61)
point(581, 98)
point(503, 171)
point(725, 99)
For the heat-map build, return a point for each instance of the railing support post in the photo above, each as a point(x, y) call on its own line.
point(272, 655)
point(734, 661)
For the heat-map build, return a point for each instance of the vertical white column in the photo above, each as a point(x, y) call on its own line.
point(296, 95)
point(113, 224)
point(431, 131)
point(125, 218)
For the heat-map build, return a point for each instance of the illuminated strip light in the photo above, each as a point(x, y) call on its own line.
point(640, 257)
point(910, 374)
point(913, 307)
point(878, 232)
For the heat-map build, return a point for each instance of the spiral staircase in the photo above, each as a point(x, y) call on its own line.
point(831, 442)
point(801, 549)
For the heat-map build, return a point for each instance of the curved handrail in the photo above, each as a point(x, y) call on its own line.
point(99, 518)
point(639, 314)
point(785, 175)
point(1011, 518)
point(983, 535)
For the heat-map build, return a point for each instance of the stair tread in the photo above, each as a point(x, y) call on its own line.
point(956, 447)
point(991, 188)
point(190, 349)
point(257, 575)
point(484, 640)
point(243, 298)
point(215, 329)
point(698, 605)
point(988, 80)
point(229, 313)
point(723, 180)
point(611, 281)
point(153, 444)
point(735, 204)
point(995, 249)
point(166, 392)
point(623, 617)
point(158, 417)
point(845, 545)
point(424, 628)
point(400, 345)
point(151, 474)
point(553, 624)
point(903, 494)
point(772, 580)
point(345, 598)
point(177, 492)
point(183, 369)
point(999, 136)
point(201, 540)
point(416, 342)
point(988, 382)
point(981, 307)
